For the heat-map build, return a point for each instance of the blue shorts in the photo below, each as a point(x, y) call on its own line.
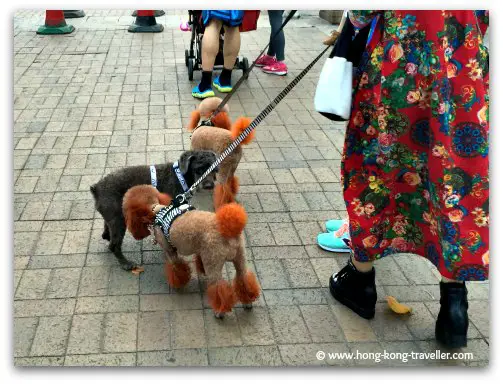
point(230, 18)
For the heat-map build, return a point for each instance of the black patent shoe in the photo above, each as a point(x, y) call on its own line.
point(356, 290)
point(451, 327)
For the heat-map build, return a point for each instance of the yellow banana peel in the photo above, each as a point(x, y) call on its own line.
point(396, 307)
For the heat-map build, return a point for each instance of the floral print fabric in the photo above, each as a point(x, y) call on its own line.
point(415, 163)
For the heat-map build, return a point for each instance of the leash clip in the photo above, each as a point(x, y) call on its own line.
point(179, 200)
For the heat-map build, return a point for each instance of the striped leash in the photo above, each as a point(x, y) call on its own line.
point(184, 197)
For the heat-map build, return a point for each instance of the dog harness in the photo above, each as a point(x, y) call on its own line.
point(153, 176)
point(180, 177)
point(178, 173)
point(165, 218)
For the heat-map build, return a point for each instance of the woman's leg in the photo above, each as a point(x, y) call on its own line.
point(362, 266)
point(232, 44)
point(276, 46)
point(210, 43)
point(209, 51)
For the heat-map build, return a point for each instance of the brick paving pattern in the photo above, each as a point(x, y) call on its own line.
point(101, 98)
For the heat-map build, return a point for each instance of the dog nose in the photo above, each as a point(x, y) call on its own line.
point(208, 185)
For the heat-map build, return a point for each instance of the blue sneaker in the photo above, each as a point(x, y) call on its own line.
point(221, 88)
point(334, 225)
point(202, 95)
point(331, 242)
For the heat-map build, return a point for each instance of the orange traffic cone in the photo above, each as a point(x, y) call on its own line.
point(145, 22)
point(55, 24)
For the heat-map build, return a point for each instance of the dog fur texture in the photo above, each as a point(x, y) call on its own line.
point(213, 239)
point(108, 193)
point(217, 138)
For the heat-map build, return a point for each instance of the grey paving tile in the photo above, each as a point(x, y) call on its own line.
point(322, 324)
point(86, 334)
point(222, 332)
point(50, 307)
point(24, 242)
point(51, 336)
point(259, 234)
point(153, 331)
point(33, 284)
point(271, 274)
point(50, 361)
point(63, 283)
point(188, 329)
point(128, 303)
point(120, 332)
point(300, 273)
point(251, 356)
point(284, 234)
point(182, 357)
point(279, 252)
point(97, 360)
point(389, 326)
point(288, 325)
point(24, 333)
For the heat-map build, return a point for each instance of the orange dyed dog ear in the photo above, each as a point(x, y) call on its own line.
point(137, 221)
point(195, 116)
point(164, 198)
point(137, 210)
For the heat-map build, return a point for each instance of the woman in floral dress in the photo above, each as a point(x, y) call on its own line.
point(415, 163)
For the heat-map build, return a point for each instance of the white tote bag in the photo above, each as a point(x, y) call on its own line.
point(334, 90)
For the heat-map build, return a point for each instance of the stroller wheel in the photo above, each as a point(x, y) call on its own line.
point(186, 57)
point(191, 69)
point(245, 66)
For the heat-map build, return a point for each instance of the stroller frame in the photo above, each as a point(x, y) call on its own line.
point(193, 55)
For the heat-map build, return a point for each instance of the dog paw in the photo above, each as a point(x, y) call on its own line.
point(248, 307)
point(219, 315)
point(105, 236)
point(128, 266)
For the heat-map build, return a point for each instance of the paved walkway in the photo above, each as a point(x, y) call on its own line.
point(101, 98)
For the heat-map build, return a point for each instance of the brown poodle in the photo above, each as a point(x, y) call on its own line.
point(213, 239)
point(217, 138)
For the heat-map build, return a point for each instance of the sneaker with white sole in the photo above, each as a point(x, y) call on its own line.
point(333, 243)
point(335, 225)
point(265, 60)
point(278, 68)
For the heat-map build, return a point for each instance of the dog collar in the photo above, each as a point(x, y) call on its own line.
point(153, 176)
point(180, 177)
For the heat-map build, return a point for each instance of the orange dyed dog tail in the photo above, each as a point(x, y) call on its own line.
point(195, 116)
point(231, 220)
point(239, 126)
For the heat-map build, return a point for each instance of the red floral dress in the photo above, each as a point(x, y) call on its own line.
point(415, 163)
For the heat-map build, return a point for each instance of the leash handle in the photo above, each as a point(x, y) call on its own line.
point(256, 121)
point(245, 74)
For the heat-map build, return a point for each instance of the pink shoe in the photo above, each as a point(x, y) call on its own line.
point(184, 26)
point(264, 60)
point(278, 68)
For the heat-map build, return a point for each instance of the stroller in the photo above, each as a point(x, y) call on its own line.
point(193, 57)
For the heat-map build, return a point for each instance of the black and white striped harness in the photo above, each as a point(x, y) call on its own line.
point(165, 218)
